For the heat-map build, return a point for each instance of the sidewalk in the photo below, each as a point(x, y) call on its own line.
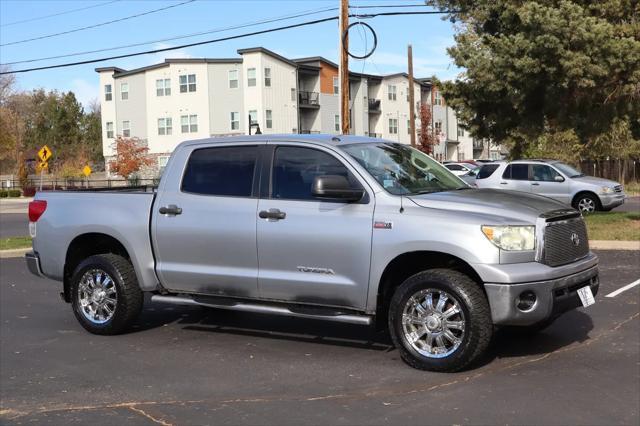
point(14, 205)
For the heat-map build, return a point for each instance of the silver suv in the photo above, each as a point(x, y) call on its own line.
point(553, 179)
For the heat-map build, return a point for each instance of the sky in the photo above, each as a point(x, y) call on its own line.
point(430, 35)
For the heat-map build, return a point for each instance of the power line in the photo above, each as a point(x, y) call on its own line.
point(58, 14)
point(97, 25)
point(200, 43)
point(215, 30)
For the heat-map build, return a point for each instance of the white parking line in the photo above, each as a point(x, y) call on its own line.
point(625, 288)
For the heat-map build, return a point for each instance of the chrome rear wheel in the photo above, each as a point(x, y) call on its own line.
point(97, 296)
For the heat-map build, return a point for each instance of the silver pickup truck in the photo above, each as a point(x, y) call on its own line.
point(348, 229)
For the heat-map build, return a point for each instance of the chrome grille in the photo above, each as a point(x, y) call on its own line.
point(565, 241)
point(617, 188)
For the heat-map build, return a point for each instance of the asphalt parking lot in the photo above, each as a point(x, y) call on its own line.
point(196, 366)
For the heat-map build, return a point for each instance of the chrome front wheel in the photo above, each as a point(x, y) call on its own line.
point(98, 296)
point(586, 205)
point(433, 323)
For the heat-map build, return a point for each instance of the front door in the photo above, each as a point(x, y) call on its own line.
point(317, 251)
point(548, 182)
point(204, 228)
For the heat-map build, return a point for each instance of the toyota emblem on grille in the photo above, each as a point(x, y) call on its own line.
point(575, 239)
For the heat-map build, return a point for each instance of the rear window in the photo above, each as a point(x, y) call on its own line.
point(516, 172)
point(224, 171)
point(486, 171)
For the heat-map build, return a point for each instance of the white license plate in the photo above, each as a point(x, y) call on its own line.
point(586, 296)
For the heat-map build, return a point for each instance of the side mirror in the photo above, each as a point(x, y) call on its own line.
point(558, 178)
point(335, 187)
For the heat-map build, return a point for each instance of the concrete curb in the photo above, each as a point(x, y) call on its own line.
point(7, 254)
point(614, 245)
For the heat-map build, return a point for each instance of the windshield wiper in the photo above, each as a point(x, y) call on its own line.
point(425, 191)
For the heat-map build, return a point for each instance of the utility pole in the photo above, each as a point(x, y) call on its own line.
point(344, 66)
point(412, 108)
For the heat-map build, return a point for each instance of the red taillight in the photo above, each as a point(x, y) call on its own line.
point(36, 208)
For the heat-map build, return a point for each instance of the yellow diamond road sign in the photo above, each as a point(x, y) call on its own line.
point(44, 154)
point(86, 170)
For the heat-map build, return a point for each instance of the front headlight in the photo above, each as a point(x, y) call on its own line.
point(511, 237)
point(607, 190)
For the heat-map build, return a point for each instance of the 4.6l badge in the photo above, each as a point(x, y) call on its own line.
point(382, 225)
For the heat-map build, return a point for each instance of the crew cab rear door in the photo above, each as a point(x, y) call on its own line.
point(204, 220)
point(312, 250)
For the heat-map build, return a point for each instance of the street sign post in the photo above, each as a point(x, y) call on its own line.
point(43, 155)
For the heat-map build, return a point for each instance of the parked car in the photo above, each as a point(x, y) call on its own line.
point(460, 169)
point(347, 229)
point(470, 178)
point(553, 179)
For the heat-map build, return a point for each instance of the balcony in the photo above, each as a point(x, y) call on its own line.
point(309, 132)
point(374, 105)
point(308, 99)
point(375, 135)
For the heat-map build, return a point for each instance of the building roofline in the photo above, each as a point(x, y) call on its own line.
point(316, 59)
point(267, 52)
point(114, 69)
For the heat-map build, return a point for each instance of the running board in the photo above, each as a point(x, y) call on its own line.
point(335, 316)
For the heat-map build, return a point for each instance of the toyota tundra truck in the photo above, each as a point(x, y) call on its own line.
point(338, 228)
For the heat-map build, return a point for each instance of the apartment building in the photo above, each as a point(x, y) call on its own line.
point(182, 99)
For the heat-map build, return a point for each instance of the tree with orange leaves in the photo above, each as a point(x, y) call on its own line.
point(428, 139)
point(131, 156)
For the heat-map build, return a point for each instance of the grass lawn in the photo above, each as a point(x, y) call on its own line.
point(619, 226)
point(15, 243)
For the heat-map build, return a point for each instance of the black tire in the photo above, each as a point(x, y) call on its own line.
point(590, 197)
point(477, 319)
point(129, 296)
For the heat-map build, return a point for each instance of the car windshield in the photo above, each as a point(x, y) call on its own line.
point(568, 170)
point(402, 170)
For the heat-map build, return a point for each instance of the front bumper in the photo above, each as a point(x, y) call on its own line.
point(33, 263)
point(610, 201)
point(553, 297)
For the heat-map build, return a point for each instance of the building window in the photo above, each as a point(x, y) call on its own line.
point(293, 95)
point(124, 91)
point(267, 77)
point(460, 131)
point(109, 126)
point(336, 122)
point(187, 83)
point(393, 126)
point(163, 87)
point(235, 121)
point(189, 123)
point(165, 126)
point(108, 92)
point(437, 98)
point(336, 87)
point(393, 92)
point(251, 77)
point(253, 116)
point(162, 162)
point(126, 129)
point(268, 119)
point(438, 126)
point(233, 79)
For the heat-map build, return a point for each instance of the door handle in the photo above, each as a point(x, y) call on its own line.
point(272, 214)
point(503, 183)
point(535, 184)
point(170, 209)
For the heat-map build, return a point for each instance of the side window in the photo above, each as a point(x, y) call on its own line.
point(294, 170)
point(544, 173)
point(225, 171)
point(486, 171)
point(455, 167)
point(516, 172)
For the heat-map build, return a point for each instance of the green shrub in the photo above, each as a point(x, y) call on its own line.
point(4, 194)
point(14, 193)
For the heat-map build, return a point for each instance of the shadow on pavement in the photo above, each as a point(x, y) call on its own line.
point(570, 328)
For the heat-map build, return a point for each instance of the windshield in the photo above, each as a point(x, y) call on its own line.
point(568, 170)
point(403, 170)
